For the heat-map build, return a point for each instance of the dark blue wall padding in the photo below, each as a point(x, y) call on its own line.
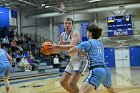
point(4, 18)
point(134, 56)
point(109, 54)
point(84, 38)
point(61, 28)
point(13, 13)
point(84, 31)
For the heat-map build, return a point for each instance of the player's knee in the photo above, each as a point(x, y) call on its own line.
point(5, 78)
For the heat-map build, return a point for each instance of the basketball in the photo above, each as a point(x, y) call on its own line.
point(45, 48)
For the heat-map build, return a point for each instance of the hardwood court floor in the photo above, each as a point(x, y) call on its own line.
point(125, 80)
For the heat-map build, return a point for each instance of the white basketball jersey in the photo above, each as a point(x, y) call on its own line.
point(66, 38)
point(77, 62)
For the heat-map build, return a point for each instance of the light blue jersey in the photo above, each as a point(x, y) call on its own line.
point(95, 50)
point(99, 73)
point(4, 63)
point(3, 56)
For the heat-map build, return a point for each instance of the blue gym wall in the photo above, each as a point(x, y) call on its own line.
point(134, 56)
point(109, 54)
point(61, 28)
point(84, 31)
point(4, 18)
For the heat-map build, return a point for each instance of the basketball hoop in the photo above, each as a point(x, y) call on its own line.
point(120, 11)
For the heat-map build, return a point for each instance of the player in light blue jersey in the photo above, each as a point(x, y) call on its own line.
point(99, 73)
point(5, 64)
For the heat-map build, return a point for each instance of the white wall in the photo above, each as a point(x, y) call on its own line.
point(43, 31)
point(35, 26)
point(75, 17)
point(56, 33)
point(13, 21)
point(27, 24)
point(43, 24)
point(122, 57)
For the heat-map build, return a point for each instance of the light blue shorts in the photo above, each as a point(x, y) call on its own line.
point(4, 69)
point(99, 76)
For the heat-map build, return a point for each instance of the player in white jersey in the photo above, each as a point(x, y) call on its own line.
point(77, 63)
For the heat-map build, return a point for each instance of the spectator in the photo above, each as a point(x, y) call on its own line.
point(27, 54)
point(13, 46)
point(56, 62)
point(4, 31)
point(11, 34)
point(19, 48)
point(31, 62)
point(19, 40)
point(5, 42)
point(24, 63)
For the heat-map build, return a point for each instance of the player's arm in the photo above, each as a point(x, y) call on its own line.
point(56, 50)
point(74, 50)
point(75, 38)
point(80, 48)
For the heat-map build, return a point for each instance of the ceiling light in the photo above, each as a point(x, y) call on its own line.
point(42, 4)
point(90, 1)
point(47, 6)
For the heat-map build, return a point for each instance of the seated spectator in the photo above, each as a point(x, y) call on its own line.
point(19, 48)
point(11, 34)
point(19, 40)
point(27, 54)
point(31, 62)
point(15, 38)
point(56, 62)
point(13, 64)
point(5, 42)
point(13, 45)
point(24, 63)
point(18, 56)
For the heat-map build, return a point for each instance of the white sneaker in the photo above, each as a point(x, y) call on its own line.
point(27, 70)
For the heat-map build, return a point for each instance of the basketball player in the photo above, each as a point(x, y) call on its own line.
point(99, 73)
point(77, 63)
point(5, 64)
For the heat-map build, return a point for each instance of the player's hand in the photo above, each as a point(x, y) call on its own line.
point(55, 47)
point(82, 53)
point(72, 54)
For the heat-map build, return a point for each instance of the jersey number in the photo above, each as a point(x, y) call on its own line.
point(99, 49)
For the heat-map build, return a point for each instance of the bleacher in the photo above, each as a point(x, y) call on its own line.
point(43, 69)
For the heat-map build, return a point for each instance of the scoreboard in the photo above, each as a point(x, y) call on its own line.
point(119, 25)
